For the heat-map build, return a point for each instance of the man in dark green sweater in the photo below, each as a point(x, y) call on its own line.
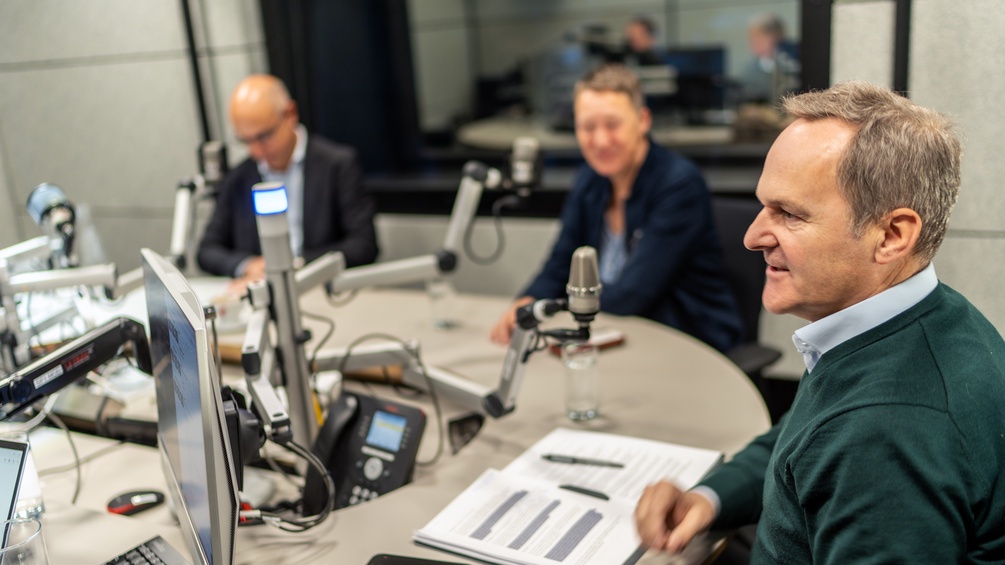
point(894, 448)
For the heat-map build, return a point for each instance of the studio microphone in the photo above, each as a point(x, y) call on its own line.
point(524, 168)
point(213, 163)
point(52, 211)
point(584, 285)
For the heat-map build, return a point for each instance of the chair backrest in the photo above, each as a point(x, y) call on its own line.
point(744, 268)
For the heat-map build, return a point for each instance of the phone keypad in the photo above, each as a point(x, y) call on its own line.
point(361, 494)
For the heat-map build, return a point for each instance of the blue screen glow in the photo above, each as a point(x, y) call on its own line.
point(269, 202)
point(386, 431)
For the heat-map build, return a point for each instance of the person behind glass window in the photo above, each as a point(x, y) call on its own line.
point(640, 42)
point(773, 70)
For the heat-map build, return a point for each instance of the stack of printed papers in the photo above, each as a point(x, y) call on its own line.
point(569, 499)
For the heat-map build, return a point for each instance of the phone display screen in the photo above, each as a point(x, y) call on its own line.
point(386, 430)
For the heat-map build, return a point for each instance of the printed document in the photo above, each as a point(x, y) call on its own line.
point(568, 499)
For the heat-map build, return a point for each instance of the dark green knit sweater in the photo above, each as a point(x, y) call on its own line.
point(893, 450)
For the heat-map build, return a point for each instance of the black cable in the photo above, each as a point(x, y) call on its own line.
point(497, 207)
point(429, 385)
point(271, 462)
point(439, 415)
point(540, 342)
point(305, 523)
point(328, 333)
point(340, 302)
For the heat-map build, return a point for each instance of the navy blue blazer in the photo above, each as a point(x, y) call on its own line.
point(338, 213)
point(673, 273)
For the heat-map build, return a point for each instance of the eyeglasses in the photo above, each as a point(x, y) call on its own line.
point(265, 135)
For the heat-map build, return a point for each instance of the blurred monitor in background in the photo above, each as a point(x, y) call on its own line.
point(699, 74)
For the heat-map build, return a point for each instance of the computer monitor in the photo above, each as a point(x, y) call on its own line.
point(13, 455)
point(191, 429)
point(701, 83)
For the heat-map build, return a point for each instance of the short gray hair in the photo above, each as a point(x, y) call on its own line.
point(612, 77)
point(902, 156)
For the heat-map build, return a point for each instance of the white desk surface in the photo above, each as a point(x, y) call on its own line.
point(661, 385)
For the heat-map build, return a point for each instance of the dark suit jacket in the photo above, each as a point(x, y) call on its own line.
point(338, 213)
point(674, 273)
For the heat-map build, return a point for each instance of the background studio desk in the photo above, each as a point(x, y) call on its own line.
point(661, 384)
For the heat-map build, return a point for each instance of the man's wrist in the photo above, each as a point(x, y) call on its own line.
point(711, 496)
point(242, 267)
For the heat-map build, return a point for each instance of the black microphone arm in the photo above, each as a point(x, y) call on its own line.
point(70, 362)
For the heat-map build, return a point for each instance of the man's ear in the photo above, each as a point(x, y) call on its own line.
point(900, 231)
point(646, 117)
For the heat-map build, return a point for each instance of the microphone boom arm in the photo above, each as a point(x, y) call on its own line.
point(71, 362)
point(477, 177)
point(524, 341)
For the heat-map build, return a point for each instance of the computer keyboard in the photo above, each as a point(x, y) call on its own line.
point(154, 551)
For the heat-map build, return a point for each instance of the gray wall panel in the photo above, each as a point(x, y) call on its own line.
point(956, 67)
point(10, 231)
point(98, 97)
point(232, 23)
point(862, 48)
point(971, 266)
point(42, 30)
point(116, 134)
point(124, 236)
point(229, 70)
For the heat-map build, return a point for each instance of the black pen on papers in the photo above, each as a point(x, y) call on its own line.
point(580, 461)
point(586, 491)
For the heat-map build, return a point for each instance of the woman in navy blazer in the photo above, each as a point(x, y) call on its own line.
point(648, 213)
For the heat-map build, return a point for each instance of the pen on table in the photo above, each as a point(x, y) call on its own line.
point(586, 491)
point(580, 461)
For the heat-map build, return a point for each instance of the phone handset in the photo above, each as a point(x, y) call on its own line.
point(339, 416)
point(369, 445)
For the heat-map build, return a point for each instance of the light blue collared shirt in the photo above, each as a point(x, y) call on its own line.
point(293, 179)
point(613, 255)
point(827, 333)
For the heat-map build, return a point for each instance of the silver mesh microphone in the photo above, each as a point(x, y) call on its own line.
point(584, 284)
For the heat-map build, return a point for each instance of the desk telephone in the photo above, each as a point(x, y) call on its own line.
point(369, 445)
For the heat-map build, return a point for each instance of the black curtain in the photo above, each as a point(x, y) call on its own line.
point(348, 63)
